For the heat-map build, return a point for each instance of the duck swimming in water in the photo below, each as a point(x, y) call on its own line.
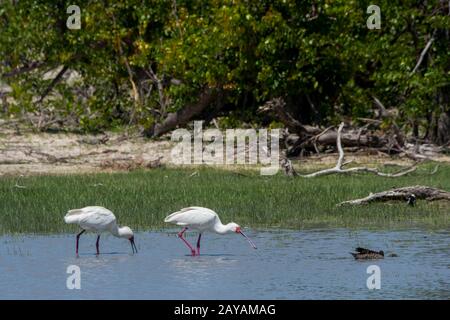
point(367, 254)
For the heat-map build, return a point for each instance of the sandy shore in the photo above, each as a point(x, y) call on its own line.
point(25, 152)
point(60, 153)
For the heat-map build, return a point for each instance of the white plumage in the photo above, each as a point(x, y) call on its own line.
point(98, 219)
point(202, 219)
point(197, 218)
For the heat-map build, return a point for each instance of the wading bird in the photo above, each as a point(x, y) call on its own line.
point(201, 220)
point(98, 220)
point(366, 254)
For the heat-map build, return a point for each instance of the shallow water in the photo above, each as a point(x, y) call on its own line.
point(308, 264)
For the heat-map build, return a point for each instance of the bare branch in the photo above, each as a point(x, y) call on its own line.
point(340, 163)
point(423, 53)
point(136, 96)
point(54, 82)
point(32, 66)
point(163, 100)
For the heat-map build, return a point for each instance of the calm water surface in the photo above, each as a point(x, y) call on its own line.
point(307, 264)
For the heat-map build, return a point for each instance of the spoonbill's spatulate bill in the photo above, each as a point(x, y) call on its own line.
point(202, 219)
point(98, 220)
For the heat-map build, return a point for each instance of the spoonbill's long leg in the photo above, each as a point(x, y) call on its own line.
point(180, 235)
point(78, 240)
point(97, 244)
point(198, 243)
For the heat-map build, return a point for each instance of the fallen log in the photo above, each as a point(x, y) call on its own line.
point(402, 194)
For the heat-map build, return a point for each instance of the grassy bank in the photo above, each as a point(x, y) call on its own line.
point(141, 199)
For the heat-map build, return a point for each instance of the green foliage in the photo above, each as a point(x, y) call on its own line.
point(310, 52)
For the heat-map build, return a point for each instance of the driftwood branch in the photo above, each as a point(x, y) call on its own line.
point(401, 194)
point(340, 163)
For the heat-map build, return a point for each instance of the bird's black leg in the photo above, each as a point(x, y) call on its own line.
point(78, 240)
point(97, 244)
point(198, 243)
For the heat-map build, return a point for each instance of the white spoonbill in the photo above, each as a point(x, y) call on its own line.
point(98, 220)
point(202, 219)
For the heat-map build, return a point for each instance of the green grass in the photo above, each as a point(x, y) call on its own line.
point(141, 199)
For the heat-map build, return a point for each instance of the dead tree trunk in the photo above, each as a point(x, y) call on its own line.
point(443, 129)
point(183, 115)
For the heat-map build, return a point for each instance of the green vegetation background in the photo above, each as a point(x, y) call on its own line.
point(142, 199)
point(314, 53)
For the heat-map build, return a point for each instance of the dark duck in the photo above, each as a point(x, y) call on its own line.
point(367, 254)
